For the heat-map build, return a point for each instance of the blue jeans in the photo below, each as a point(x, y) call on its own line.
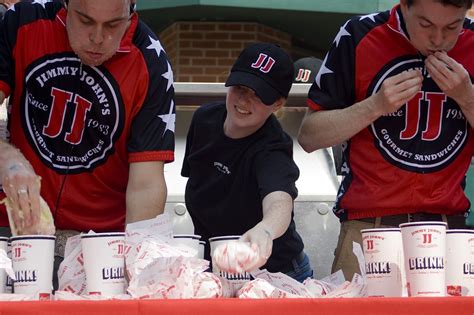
point(302, 270)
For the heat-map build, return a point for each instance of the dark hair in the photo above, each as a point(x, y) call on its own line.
point(132, 5)
point(457, 3)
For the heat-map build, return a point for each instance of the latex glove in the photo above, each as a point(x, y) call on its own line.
point(22, 187)
point(261, 240)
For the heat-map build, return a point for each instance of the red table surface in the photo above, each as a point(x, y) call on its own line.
point(447, 305)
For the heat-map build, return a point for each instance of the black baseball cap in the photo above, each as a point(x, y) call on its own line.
point(306, 69)
point(265, 68)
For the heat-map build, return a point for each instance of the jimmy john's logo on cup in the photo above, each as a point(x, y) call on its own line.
point(104, 263)
point(32, 260)
point(424, 245)
point(383, 261)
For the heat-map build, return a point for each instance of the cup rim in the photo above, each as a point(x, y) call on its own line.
point(100, 235)
point(460, 231)
point(420, 223)
point(32, 237)
point(224, 238)
point(192, 236)
point(4, 239)
point(378, 230)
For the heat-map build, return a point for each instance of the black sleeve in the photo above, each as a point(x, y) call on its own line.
point(20, 14)
point(276, 171)
point(8, 33)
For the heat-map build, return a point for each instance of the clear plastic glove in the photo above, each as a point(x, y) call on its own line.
point(261, 240)
point(22, 187)
point(45, 225)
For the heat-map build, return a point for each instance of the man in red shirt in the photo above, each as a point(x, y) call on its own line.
point(396, 88)
point(92, 116)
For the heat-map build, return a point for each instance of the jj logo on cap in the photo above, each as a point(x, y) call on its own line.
point(261, 59)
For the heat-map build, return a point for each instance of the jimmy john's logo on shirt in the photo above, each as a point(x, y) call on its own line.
point(71, 113)
point(222, 168)
point(426, 133)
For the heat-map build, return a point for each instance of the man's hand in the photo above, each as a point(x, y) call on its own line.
point(396, 91)
point(261, 240)
point(452, 78)
point(22, 187)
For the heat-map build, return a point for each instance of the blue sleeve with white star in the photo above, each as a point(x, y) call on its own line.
point(17, 16)
point(333, 87)
point(153, 127)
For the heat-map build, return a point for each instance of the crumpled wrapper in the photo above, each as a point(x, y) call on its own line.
point(162, 271)
point(71, 273)
point(279, 285)
point(6, 264)
point(156, 269)
point(44, 227)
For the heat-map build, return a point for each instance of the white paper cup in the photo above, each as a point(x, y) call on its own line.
point(202, 247)
point(234, 280)
point(460, 262)
point(187, 241)
point(384, 266)
point(3, 274)
point(9, 281)
point(33, 262)
point(424, 246)
point(104, 263)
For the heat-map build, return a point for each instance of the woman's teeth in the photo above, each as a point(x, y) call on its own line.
point(241, 111)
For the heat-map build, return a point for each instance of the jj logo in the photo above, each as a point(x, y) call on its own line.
point(370, 244)
point(433, 125)
point(259, 63)
point(303, 75)
point(120, 249)
point(58, 110)
point(427, 238)
point(17, 252)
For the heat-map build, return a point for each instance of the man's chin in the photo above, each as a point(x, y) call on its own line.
point(93, 62)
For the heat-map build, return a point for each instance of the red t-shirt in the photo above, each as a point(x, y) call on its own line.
point(81, 126)
point(413, 160)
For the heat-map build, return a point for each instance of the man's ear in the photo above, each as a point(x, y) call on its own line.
point(279, 104)
point(133, 6)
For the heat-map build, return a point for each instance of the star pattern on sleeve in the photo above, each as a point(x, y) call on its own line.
point(155, 45)
point(322, 71)
point(168, 75)
point(342, 32)
point(369, 16)
point(40, 2)
point(169, 119)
